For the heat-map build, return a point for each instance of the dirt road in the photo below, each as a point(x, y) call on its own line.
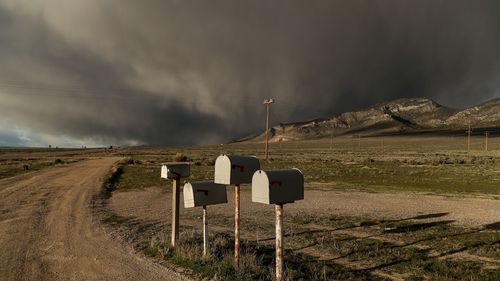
point(47, 230)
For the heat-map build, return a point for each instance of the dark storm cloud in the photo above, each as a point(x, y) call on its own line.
point(184, 72)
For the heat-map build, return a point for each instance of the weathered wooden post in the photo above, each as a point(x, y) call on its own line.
point(205, 231)
point(175, 171)
point(237, 170)
point(279, 241)
point(236, 226)
point(175, 210)
point(278, 187)
point(202, 194)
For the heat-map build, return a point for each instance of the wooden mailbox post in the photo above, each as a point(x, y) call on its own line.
point(278, 187)
point(202, 194)
point(237, 170)
point(175, 171)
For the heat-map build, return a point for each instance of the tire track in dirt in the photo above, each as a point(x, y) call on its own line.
point(47, 232)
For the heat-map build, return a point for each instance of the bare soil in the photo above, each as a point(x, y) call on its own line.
point(466, 211)
point(415, 219)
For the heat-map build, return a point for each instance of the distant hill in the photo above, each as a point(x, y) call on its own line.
point(399, 117)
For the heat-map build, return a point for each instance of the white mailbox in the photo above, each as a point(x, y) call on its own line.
point(175, 170)
point(204, 193)
point(277, 186)
point(231, 169)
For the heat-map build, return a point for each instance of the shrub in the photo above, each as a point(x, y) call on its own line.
point(180, 157)
point(208, 162)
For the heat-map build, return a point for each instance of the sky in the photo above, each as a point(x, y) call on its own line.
point(184, 72)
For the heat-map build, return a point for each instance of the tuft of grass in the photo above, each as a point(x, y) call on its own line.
point(188, 254)
point(447, 270)
point(256, 261)
point(114, 219)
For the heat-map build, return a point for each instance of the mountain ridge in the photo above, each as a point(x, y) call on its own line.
point(397, 117)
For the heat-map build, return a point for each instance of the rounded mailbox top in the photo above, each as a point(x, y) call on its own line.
point(281, 172)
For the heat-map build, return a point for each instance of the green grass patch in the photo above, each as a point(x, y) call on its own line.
point(14, 168)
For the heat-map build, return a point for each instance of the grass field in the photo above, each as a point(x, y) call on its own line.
point(437, 165)
point(319, 246)
point(15, 161)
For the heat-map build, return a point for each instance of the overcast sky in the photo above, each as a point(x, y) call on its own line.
point(101, 72)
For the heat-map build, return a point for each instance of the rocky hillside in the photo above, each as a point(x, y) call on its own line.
point(402, 116)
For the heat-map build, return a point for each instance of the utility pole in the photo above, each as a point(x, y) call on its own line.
point(268, 104)
point(486, 134)
point(469, 131)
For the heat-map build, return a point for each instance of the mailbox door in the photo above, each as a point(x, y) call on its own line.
point(260, 188)
point(222, 170)
point(188, 196)
point(164, 172)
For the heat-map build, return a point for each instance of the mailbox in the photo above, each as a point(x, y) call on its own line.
point(277, 186)
point(204, 193)
point(235, 169)
point(175, 170)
